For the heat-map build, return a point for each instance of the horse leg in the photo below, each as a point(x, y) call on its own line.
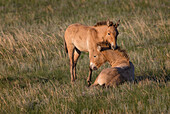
point(76, 56)
point(71, 57)
point(89, 77)
point(95, 82)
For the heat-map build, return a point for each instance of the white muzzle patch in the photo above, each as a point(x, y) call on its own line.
point(93, 66)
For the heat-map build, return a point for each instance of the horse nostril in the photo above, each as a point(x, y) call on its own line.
point(112, 46)
point(115, 47)
point(94, 68)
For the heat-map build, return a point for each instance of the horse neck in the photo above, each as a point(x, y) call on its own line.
point(116, 58)
point(101, 30)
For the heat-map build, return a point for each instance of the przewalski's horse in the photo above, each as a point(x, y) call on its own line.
point(80, 38)
point(122, 69)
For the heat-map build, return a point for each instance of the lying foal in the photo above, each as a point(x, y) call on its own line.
point(122, 69)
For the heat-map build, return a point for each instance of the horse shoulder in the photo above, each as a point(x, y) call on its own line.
point(92, 32)
point(94, 35)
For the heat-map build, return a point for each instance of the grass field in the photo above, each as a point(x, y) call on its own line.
point(34, 68)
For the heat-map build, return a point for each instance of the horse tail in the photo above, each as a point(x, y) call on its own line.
point(65, 46)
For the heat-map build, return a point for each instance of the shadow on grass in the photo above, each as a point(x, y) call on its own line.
point(156, 76)
point(156, 79)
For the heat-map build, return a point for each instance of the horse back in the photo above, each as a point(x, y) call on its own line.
point(115, 75)
point(80, 36)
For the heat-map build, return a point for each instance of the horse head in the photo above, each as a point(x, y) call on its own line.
point(111, 34)
point(97, 59)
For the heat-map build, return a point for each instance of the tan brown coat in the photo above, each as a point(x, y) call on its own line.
point(122, 69)
point(80, 38)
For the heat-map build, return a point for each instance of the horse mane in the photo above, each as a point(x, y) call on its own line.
point(107, 46)
point(123, 52)
point(102, 23)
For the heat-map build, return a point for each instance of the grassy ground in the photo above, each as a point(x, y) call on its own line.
point(34, 69)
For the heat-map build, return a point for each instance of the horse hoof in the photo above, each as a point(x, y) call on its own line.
point(89, 84)
point(72, 81)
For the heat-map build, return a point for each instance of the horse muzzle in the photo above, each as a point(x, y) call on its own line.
point(114, 47)
point(93, 66)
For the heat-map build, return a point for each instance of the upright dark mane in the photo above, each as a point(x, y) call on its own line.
point(106, 46)
point(123, 52)
point(102, 23)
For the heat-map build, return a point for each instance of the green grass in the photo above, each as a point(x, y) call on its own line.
point(34, 68)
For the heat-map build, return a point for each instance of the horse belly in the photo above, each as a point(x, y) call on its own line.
point(81, 45)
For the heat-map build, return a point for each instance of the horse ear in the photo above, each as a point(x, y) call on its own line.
point(99, 48)
point(117, 24)
point(108, 23)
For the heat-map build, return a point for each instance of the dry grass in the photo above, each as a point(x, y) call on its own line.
point(34, 69)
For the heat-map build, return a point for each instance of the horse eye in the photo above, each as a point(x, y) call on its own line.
point(94, 56)
point(108, 33)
